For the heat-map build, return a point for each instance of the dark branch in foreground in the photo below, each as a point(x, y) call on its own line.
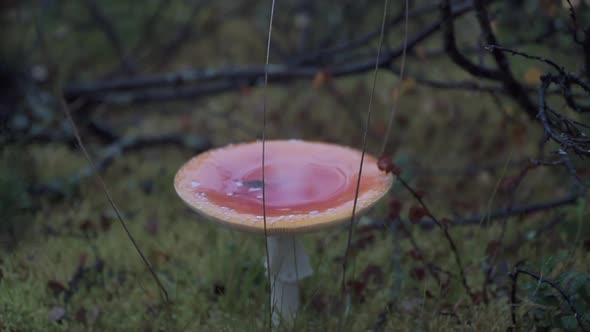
point(444, 228)
point(452, 49)
point(107, 27)
point(571, 135)
point(502, 74)
point(512, 86)
point(386, 165)
point(514, 276)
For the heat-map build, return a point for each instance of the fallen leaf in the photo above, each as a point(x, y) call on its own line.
point(420, 193)
point(373, 273)
point(357, 287)
point(320, 79)
point(87, 226)
point(418, 273)
point(105, 223)
point(56, 287)
point(80, 315)
point(82, 260)
point(518, 135)
point(363, 242)
point(152, 226)
point(325, 303)
point(417, 213)
point(245, 90)
point(158, 257)
point(532, 76)
point(415, 254)
point(478, 297)
point(550, 7)
point(405, 87)
point(402, 120)
point(420, 52)
point(493, 248)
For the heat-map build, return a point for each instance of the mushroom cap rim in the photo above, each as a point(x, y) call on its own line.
point(308, 223)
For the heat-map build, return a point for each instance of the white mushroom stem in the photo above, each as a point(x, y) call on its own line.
point(289, 263)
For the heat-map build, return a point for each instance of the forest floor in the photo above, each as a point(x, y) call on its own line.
point(67, 264)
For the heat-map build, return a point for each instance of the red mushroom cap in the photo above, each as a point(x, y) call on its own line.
point(309, 185)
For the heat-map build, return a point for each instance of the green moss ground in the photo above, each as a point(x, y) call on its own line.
point(72, 254)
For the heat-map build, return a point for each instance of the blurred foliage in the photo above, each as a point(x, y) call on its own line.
point(458, 147)
point(548, 309)
point(15, 202)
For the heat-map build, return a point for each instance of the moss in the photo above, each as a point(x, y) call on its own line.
point(15, 201)
point(75, 256)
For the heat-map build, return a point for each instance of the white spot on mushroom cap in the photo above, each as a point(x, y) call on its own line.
point(195, 184)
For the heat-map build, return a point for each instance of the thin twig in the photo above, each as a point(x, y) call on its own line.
point(401, 80)
point(513, 189)
point(555, 286)
point(105, 189)
point(444, 228)
point(66, 110)
point(512, 86)
point(363, 151)
point(513, 301)
point(106, 26)
point(450, 44)
point(264, 111)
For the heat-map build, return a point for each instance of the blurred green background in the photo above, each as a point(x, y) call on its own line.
point(67, 265)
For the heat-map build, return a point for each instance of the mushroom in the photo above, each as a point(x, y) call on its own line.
point(308, 186)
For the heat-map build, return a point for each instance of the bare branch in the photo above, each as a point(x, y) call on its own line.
point(177, 85)
point(450, 43)
point(514, 88)
point(106, 26)
point(520, 270)
point(121, 146)
point(444, 228)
